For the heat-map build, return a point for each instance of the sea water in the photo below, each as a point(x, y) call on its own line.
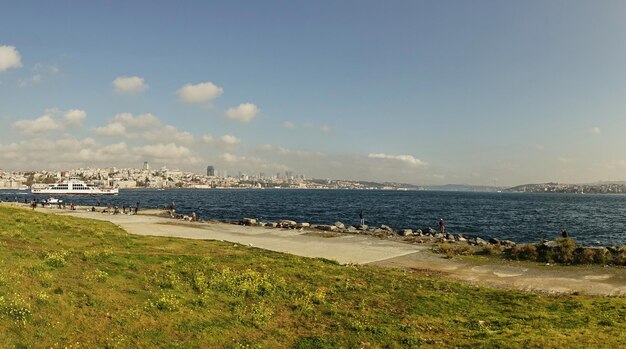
point(521, 217)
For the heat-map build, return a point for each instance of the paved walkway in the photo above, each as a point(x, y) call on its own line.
point(597, 280)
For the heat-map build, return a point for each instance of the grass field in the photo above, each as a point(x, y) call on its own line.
point(68, 282)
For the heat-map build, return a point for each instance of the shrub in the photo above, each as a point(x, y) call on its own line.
point(257, 314)
point(45, 279)
point(247, 283)
point(167, 302)
point(451, 250)
point(165, 279)
point(490, 250)
point(563, 252)
point(15, 308)
point(97, 275)
point(42, 298)
point(602, 256)
point(584, 255)
point(200, 282)
point(56, 259)
point(523, 252)
point(97, 255)
point(620, 257)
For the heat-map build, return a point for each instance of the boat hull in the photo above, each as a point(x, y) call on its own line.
point(76, 192)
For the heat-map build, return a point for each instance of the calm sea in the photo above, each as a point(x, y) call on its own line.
point(521, 217)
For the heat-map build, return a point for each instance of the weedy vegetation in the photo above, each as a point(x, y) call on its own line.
point(68, 282)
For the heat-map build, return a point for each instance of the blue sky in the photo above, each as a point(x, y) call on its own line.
point(425, 92)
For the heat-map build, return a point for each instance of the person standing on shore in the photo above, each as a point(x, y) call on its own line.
point(136, 207)
point(442, 226)
point(362, 218)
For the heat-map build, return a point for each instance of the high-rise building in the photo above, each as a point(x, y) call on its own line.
point(146, 166)
point(210, 171)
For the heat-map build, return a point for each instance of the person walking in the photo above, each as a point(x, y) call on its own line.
point(442, 226)
point(362, 218)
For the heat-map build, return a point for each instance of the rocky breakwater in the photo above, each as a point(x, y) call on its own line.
point(420, 235)
point(562, 250)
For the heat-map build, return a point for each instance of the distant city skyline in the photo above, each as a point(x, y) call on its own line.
point(419, 92)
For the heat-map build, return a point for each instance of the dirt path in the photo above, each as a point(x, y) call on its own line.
point(596, 280)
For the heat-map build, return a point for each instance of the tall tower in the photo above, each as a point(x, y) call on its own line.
point(210, 171)
point(146, 166)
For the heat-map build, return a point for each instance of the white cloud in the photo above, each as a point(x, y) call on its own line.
point(69, 143)
point(42, 124)
point(325, 129)
point(230, 140)
point(106, 153)
point(74, 117)
point(9, 58)
point(168, 133)
point(224, 141)
point(140, 121)
point(268, 148)
point(65, 152)
point(565, 160)
point(245, 112)
point(200, 93)
point(129, 84)
point(228, 157)
point(114, 129)
point(165, 151)
point(289, 125)
point(39, 71)
point(408, 159)
point(184, 137)
point(251, 163)
point(595, 130)
point(51, 121)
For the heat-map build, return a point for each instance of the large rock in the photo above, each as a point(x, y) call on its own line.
point(418, 232)
point(507, 243)
point(271, 224)
point(352, 229)
point(406, 232)
point(287, 223)
point(461, 238)
point(362, 227)
point(248, 221)
point(480, 242)
point(550, 244)
point(340, 225)
point(494, 241)
point(386, 227)
point(327, 227)
point(431, 231)
point(303, 225)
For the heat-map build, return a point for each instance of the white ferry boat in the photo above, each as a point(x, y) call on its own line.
point(74, 186)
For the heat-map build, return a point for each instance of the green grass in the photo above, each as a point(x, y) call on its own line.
point(68, 282)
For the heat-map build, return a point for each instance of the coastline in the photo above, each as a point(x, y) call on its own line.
point(369, 250)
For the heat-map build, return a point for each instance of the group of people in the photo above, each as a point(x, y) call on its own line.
point(115, 209)
point(442, 223)
point(60, 204)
